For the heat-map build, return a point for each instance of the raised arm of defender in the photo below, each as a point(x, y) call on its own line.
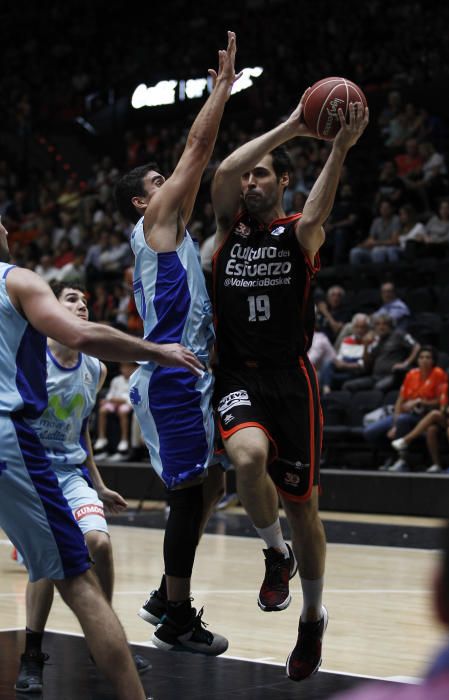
point(32, 297)
point(172, 205)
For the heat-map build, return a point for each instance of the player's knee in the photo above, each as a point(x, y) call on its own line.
point(250, 464)
point(99, 545)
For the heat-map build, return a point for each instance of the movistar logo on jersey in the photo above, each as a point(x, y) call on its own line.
point(75, 406)
point(278, 231)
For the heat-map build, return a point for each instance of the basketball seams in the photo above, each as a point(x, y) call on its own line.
point(328, 97)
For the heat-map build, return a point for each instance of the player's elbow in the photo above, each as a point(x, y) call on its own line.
point(80, 337)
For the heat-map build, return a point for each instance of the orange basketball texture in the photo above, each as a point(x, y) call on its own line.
point(320, 110)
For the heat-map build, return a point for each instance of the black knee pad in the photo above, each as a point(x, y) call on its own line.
point(182, 531)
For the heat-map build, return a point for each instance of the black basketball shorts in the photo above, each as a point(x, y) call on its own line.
point(285, 404)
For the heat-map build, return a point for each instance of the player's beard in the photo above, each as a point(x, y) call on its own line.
point(261, 203)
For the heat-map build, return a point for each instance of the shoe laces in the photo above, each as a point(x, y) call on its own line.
point(199, 627)
point(275, 571)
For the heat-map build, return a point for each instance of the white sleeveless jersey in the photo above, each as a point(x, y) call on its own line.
point(72, 394)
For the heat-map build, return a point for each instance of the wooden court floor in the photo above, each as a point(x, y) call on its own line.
point(378, 599)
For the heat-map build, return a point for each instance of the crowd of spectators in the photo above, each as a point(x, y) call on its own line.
point(392, 205)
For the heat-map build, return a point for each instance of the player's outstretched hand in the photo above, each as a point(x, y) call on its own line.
point(351, 131)
point(112, 501)
point(226, 64)
point(176, 355)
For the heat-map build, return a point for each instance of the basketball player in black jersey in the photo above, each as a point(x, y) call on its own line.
point(267, 399)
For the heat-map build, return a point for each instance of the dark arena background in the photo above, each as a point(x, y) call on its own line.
point(91, 90)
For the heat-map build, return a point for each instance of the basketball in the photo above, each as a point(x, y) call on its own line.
point(320, 110)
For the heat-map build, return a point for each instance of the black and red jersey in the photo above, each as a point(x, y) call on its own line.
point(264, 311)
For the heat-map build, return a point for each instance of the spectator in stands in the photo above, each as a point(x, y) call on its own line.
point(349, 361)
point(433, 423)
point(103, 305)
point(437, 228)
point(390, 111)
point(341, 226)
point(116, 256)
point(423, 389)
point(46, 269)
point(116, 401)
point(121, 295)
point(434, 240)
point(410, 161)
point(435, 685)
point(429, 183)
point(389, 185)
point(321, 352)
point(92, 261)
point(332, 312)
point(74, 271)
point(390, 353)
point(392, 306)
point(431, 426)
point(410, 231)
point(381, 244)
point(64, 253)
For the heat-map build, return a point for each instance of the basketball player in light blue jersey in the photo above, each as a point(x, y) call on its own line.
point(73, 381)
point(34, 513)
point(173, 408)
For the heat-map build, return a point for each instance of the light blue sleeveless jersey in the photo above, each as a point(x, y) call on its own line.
point(173, 405)
point(33, 510)
point(22, 359)
point(72, 394)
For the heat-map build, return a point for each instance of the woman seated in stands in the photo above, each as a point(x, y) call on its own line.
point(431, 426)
point(423, 390)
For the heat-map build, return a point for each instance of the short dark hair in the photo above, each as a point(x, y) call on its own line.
point(282, 163)
point(430, 349)
point(129, 186)
point(58, 287)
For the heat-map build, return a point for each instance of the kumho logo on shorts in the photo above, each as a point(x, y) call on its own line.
point(89, 509)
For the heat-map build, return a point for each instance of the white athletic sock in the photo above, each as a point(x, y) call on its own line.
point(273, 537)
point(312, 593)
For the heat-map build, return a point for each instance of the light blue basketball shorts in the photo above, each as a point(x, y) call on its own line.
point(34, 513)
point(86, 507)
point(174, 410)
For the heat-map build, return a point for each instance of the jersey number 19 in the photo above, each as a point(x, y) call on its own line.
point(259, 308)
